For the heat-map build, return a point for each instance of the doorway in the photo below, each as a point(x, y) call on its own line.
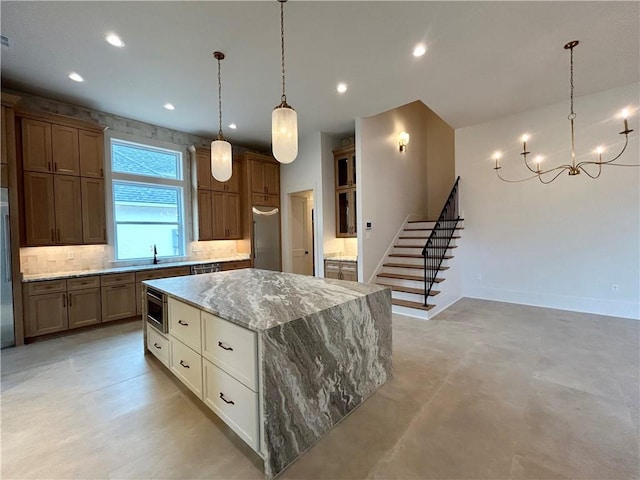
point(302, 252)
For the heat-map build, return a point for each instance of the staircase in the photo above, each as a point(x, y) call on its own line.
point(420, 261)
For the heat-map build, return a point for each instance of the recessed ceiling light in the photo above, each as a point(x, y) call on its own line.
point(76, 77)
point(419, 50)
point(169, 106)
point(342, 87)
point(233, 126)
point(115, 40)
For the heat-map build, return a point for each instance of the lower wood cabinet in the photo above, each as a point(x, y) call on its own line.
point(118, 302)
point(341, 270)
point(57, 305)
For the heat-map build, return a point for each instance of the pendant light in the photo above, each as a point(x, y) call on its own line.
point(284, 119)
point(221, 160)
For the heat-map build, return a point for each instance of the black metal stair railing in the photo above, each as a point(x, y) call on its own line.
point(437, 244)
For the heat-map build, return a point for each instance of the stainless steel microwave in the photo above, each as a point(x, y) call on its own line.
point(157, 310)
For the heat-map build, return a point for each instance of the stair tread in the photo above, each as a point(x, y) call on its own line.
point(419, 246)
point(426, 237)
point(432, 221)
point(407, 277)
point(416, 267)
point(418, 291)
point(411, 255)
point(407, 303)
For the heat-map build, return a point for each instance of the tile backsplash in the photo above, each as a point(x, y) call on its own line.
point(74, 258)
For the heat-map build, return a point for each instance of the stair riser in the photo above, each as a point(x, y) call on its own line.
point(413, 261)
point(414, 241)
point(411, 271)
point(412, 297)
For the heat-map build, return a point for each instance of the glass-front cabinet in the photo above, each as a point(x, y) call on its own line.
point(345, 168)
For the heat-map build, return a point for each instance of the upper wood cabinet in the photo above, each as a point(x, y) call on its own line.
point(345, 172)
point(63, 191)
point(64, 150)
point(232, 185)
point(93, 211)
point(205, 217)
point(203, 169)
point(36, 145)
point(91, 150)
point(265, 176)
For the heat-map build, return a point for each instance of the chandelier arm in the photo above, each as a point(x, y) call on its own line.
point(562, 168)
point(608, 162)
point(524, 155)
point(592, 176)
point(554, 177)
point(624, 165)
point(513, 181)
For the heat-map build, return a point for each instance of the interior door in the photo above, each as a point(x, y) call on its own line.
point(302, 261)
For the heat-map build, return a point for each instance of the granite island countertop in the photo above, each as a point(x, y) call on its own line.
point(262, 299)
point(130, 268)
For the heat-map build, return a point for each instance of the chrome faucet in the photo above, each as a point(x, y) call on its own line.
point(155, 255)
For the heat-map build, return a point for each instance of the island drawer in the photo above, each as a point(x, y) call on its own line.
point(83, 282)
point(184, 323)
point(231, 347)
point(187, 366)
point(234, 403)
point(158, 345)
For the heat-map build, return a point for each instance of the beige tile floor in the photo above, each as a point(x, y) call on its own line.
point(485, 390)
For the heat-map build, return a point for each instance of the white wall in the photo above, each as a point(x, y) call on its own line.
point(305, 173)
point(560, 245)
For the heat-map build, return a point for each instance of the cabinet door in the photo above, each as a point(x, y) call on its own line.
point(91, 148)
point(203, 166)
point(272, 178)
point(45, 314)
point(233, 185)
point(64, 150)
point(118, 301)
point(84, 307)
point(232, 214)
point(331, 269)
point(39, 211)
point(36, 146)
point(68, 207)
point(257, 177)
point(205, 216)
point(349, 271)
point(94, 226)
point(218, 220)
point(346, 213)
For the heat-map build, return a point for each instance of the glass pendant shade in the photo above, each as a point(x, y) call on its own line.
point(284, 134)
point(221, 160)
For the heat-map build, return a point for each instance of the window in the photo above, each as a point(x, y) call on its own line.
point(148, 198)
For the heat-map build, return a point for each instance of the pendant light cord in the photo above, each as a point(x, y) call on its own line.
point(571, 82)
point(284, 97)
point(572, 116)
point(219, 101)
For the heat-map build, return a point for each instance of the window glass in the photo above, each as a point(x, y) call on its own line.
point(148, 198)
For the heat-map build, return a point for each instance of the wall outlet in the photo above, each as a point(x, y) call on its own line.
point(615, 288)
point(71, 255)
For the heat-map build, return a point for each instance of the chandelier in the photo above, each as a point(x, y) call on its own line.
point(572, 168)
point(284, 119)
point(221, 156)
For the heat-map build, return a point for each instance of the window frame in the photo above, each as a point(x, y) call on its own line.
point(183, 184)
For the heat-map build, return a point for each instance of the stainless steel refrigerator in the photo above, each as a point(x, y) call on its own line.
point(7, 338)
point(266, 238)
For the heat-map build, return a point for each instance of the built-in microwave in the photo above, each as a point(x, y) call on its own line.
point(157, 310)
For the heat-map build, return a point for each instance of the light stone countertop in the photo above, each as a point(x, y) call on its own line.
point(343, 258)
point(130, 268)
point(261, 299)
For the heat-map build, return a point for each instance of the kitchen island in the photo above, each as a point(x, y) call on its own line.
point(281, 358)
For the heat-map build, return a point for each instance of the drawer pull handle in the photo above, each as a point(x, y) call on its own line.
point(184, 364)
point(185, 324)
point(157, 346)
point(230, 402)
point(221, 345)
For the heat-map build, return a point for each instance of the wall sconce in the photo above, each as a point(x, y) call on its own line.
point(403, 141)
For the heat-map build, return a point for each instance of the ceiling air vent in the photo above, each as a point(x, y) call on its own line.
point(4, 41)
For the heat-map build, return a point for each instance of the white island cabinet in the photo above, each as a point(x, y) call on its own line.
point(280, 358)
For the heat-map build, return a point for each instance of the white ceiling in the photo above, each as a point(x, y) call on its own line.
point(484, 60)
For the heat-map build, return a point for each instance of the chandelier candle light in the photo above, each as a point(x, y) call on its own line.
point(573, 168)
point(284, 119)
point(221, 158)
